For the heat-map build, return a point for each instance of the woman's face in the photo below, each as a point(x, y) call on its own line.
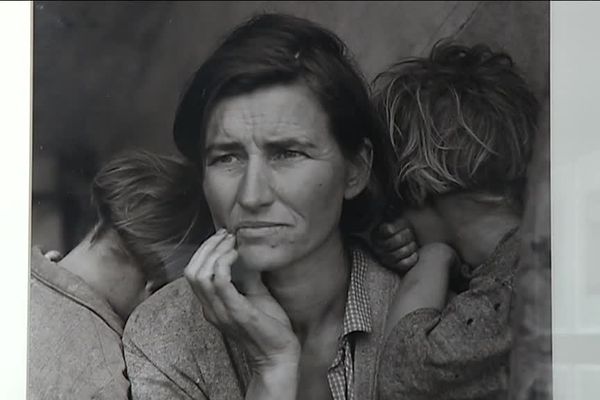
point(275, 176)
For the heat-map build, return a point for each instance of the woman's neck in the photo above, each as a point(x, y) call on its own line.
point(313, 290)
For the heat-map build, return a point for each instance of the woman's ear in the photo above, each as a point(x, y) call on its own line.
point(359, 171)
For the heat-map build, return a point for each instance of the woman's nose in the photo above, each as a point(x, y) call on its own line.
point(255, 190)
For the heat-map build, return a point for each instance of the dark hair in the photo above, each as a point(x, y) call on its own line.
point(274, 49)
point(462, 118)
point(155, 206)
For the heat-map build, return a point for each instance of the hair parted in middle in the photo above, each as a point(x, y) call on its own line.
point(273, 49)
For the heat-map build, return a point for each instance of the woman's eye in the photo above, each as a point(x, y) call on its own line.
point(224, 159)
point(287, 154)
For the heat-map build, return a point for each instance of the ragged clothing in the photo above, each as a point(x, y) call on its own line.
point(74, 349)
point(463, 351)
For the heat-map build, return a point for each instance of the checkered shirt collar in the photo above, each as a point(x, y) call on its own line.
point(357, 315)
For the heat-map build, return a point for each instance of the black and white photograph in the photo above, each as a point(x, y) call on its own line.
point(292, 200)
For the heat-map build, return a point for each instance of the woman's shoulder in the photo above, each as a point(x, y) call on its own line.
point(171, 315)
point(380, 284)
point(377, 276)
point(168, 338)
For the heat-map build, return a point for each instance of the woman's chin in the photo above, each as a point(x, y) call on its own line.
point(262, 258)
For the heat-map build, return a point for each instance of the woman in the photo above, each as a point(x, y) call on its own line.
point(148, 223)
point(280, 125)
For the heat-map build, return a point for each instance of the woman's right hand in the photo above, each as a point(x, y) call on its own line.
point(254, 318)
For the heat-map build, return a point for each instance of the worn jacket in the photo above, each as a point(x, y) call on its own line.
point(74, 347)
point(172, 352)
point(463, 351)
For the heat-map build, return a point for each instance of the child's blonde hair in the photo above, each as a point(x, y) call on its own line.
point(461, 119)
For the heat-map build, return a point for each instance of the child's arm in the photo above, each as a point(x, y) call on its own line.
point(458, 352)
point(425, 286)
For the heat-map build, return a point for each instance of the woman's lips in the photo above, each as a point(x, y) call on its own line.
point(257, 229)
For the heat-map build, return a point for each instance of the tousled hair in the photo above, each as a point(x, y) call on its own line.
point(155, 206)
point(461, 119)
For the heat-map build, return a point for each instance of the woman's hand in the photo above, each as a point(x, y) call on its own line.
point(255, 318)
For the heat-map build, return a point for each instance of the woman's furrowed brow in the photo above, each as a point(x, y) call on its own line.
point(223, 146)
point(226, 146)
point(290, 143)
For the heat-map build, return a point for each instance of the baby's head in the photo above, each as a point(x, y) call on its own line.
point(460, 120)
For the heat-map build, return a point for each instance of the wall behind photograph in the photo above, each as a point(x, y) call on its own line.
point(108, 75)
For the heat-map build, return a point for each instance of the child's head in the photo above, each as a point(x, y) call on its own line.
point(460, 120)
point(153, 210)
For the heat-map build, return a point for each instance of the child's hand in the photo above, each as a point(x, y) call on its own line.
point(394, 244)
point(425, 285)
point(52, 255)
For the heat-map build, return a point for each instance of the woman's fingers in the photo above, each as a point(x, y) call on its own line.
point(262, 323)
point(199, 257)
point(202, 263)
point(220, 278)
point(234, 301)
point(223, 265)
point(201, 275)
point(257, 320)
point(207, 270)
